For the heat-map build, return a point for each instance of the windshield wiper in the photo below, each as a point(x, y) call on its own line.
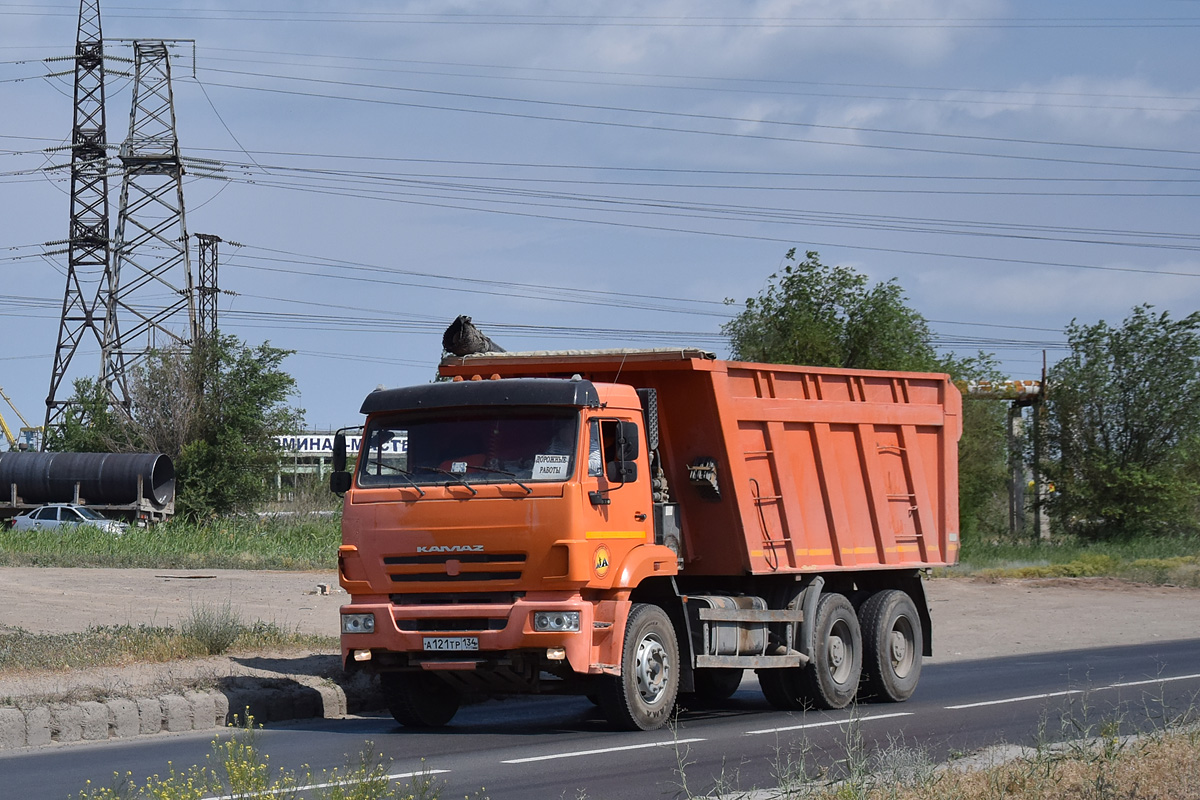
point(402, 473)
point(512, 475)
point(454, 475)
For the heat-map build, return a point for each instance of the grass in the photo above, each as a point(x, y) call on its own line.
point(1088, 759)
point(1174, 561)
point(236, 767)
point(209, 631)
point(1164, 766)
point(234, 543)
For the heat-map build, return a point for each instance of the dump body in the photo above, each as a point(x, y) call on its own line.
point(629, 525)
point(817, 469)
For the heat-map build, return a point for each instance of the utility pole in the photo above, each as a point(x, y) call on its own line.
point(1019, 394)
point(86, 310)
point(151, 250)
point(207, 287)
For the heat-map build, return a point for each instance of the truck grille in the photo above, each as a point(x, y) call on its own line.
point(454, 567)
point(457, 598)
point(466, 625)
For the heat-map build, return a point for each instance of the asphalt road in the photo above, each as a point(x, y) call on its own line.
point(550, 747)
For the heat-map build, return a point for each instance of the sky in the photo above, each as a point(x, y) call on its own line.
point(607, 174)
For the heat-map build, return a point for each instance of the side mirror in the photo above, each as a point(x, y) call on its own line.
point(339, 482)
point(624, 469)
point(339, 452)
point(339, 479)
point(627, 441)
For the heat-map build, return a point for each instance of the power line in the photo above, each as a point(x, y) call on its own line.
point(1007, 97)
point(240, 15)
point(483, 185)
point(709, 118)
point(1038, 178)
point(381, 318)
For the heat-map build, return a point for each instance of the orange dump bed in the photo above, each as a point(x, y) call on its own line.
point(816, 469)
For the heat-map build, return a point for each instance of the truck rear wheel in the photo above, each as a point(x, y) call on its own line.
point(892, 642)
point(714, 684)
point(831, 679)
point(643, 695)
point(418, 699)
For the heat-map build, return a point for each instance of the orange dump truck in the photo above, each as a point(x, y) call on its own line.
point(643, 526)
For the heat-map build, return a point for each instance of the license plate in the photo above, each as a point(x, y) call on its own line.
point(451, 643)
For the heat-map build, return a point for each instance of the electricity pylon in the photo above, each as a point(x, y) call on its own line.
point(86, 308)
point(152, 291)
point(207, 287)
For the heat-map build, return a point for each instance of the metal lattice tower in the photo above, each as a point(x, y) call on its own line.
point(86, 310)
point(207, 287)
point(152, 290)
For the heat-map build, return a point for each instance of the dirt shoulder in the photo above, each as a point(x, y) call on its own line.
point(54, 600)
point(57, 600)
point(972, 618)
point(976, 618)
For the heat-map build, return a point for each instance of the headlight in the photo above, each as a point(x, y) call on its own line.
point(358, 623)
point(565, 621)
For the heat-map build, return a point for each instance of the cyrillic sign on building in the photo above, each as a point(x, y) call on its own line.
point(319, 444)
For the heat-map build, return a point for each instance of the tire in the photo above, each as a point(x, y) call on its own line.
point(831, 679)
point(418, 699)
point(716, 684)
point(892, 644)
point(643, 695)
point(782, 688)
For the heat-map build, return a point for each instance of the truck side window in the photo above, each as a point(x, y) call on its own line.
point(595, 458)
point(609, 432)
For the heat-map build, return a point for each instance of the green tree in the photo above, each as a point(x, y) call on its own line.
point(230, 398)
point(822, 316)
point(89, 425)
point(213, 408)
point(982, 452)
point(1123, 424)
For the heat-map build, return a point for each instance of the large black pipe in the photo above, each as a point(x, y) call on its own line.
point(103, 478)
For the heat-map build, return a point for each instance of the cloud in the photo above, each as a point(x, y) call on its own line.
point(1124, 108)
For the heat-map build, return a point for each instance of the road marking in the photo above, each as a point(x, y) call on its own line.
point(270, 792)
point(1015, 699)
point(827, 723)
point(1153, 680)
point(1122, 685)
point(578, 753)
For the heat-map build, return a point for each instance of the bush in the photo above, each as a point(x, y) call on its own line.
point(214, 628)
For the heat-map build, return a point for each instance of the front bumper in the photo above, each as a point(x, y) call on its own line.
point(500, 628)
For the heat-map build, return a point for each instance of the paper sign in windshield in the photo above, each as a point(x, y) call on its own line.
point(550, 468)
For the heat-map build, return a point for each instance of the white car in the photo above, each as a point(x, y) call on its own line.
point(61, 515)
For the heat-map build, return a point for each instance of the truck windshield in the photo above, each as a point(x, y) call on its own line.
point(488, 445)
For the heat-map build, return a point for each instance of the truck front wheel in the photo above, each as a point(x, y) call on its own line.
point(892, 638)
point(643, 695)
point(418, 699)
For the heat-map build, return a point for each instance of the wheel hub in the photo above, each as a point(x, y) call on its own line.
point(653, 669)
point(837, 651)
point(899, 648)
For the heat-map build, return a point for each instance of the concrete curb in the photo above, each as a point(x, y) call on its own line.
point(28, 724)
